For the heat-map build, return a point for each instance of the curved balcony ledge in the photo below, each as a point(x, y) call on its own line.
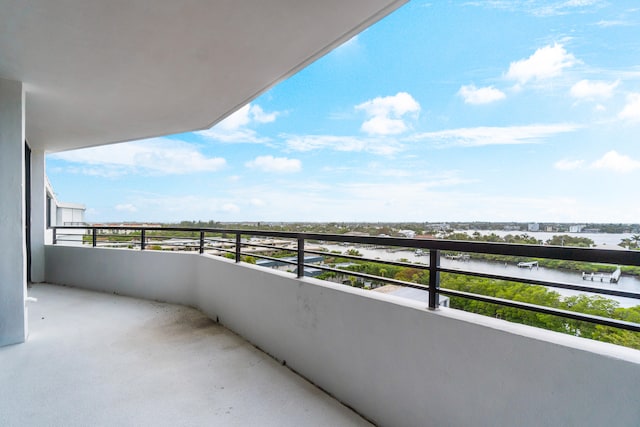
point(388, 358)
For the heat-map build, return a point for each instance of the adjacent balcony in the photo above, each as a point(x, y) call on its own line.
point(397, 361)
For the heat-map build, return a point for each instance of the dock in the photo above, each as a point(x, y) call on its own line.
point(603, 277)
point(458, 257)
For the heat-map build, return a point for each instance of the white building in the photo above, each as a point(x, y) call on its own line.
point(63, 213)
point(576, 228)
point(534, 226)
point(408, 233)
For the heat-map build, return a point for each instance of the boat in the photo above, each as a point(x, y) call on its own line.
point(528, 264)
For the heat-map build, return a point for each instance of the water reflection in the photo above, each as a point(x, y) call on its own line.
point(626, 283)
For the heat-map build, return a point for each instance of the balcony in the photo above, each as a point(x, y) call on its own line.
point(100, 359)
point(391, 359)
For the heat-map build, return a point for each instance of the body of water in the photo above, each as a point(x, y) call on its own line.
point(626, 283)
point(601, 240)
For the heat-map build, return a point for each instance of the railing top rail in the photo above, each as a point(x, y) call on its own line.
point(604, 256)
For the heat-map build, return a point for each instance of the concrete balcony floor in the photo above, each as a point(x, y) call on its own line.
point(103, 360)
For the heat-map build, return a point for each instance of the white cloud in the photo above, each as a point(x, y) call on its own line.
point(386, 114)
point(349, 47)
point(587, 89)
point(613, 23)
point(540, 7)
point(260, 116)
point(235, 127)
point(128, 207)
point(230, 208)
point(166, 208)
point(564, 7)
point(483, 95)
point(343, 143)
point(159, 156)
point(236, 120)
point(275, 164)
point(567, 165)
point(616, 162)
point(479, 136)
point(631, 110)
point(380, 125)
point(544, 63)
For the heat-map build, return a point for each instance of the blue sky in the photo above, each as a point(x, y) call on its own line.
point(443, 111)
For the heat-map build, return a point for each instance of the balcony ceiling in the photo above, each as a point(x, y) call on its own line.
point(99, 72)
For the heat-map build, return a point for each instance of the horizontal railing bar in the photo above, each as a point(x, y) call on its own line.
point(545, 310)
point(560, 285)
point(604, 256)
point(229, 251)
point(379, 261)
point(269, 258)
point(258, 245)
point(369, 276)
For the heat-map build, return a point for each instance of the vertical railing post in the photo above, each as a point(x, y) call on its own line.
point(434, 278)
point(238, 241)
point(55, 236)
point(94, 237)
point(142, 236)
point(201, 242)
point(300, 257)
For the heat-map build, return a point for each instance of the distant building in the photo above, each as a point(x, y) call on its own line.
point(61, 214)
point(534, 226)
point(576, 228)
point(408, 233)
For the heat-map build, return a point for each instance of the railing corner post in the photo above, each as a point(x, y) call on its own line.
point(94, 238)
point(142, 242)
point(238, 246)
point(201, 242)
point(55, 236)
point(434, 278)
point(300, 257)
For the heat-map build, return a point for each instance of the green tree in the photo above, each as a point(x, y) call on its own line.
point(566, 240)
point(625, 243)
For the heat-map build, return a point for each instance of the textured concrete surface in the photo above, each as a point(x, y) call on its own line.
point(369, 349)
point(102, 360)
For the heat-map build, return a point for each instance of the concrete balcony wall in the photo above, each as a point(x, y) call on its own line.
point(389, 358)
point(143, 274)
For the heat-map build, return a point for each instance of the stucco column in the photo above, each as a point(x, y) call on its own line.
point(13, 264)
point(38, 215)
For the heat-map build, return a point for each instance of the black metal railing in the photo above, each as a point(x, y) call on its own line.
point(230, 242)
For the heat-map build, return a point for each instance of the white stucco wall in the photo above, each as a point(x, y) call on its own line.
point(13, 282)
point(38, 215)
point(389, 358)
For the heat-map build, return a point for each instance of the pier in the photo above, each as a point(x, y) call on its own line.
point(603, 277)
point(458, 257)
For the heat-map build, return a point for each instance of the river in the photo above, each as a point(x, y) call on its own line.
point(626, 283)
point(601, 240)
